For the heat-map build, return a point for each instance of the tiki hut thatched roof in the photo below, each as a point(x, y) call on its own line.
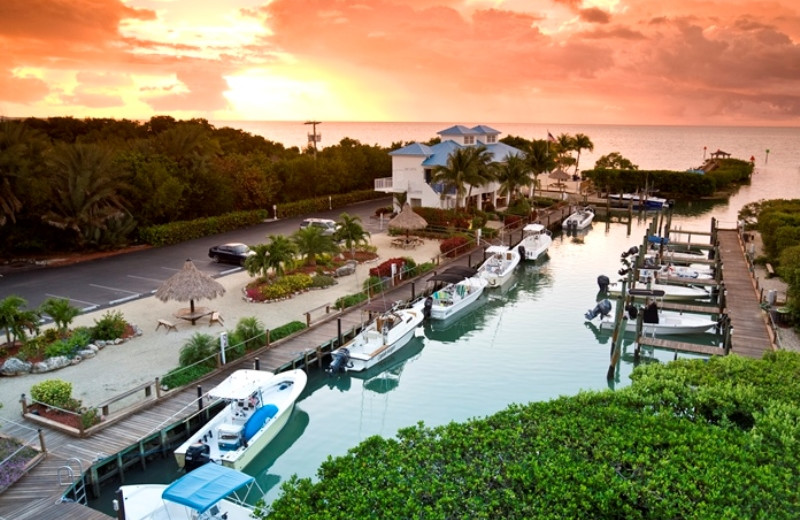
point(408, 220)
point(189, 284)
point(560, 175)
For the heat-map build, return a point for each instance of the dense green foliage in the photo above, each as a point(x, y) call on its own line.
point(181, 376)
point(101, 183)
point(688, 185)
point(53, 392)
point(286, 329)
point(111, 325)
point(689, 439)
point(343, 302)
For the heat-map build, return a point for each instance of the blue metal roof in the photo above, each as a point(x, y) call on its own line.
point(205, 486)
point(413, 149)
point(501, 151)
point(440, 152)
point(485, 130)
point(457, 130)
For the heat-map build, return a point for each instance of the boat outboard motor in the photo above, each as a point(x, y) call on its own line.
point(632, 251)
point(632, 310)
point(603, 282)
point(426, 310)
point(341, 360)
point(196, 455)
point(521, 250)
point(602, 309)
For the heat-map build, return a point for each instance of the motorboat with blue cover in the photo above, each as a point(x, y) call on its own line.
point(210, 492)
point(453, 291)
point(257, 406)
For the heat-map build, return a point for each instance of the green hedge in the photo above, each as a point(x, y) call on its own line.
point(181, 231)
point(286, 330)
point(691, 439)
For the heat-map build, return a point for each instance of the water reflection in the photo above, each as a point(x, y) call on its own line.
point(261, 464)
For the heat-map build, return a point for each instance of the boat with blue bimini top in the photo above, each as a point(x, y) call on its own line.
point(379, 339)
point(453, 291)
point(210, 492)
point(258, 405)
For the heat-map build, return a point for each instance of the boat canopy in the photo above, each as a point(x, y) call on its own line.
point(654, 239)
point(533, 228)
point(205, 486)
point(241, 384)
point(496, 249)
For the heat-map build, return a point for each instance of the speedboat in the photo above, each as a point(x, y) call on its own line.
point(536, 240)
point(581, 218)
point(381, 338)
point(682, 272)
point(209, 492)
point(461, 288)
point(655, 322)
point(666, 292)
point(257, 406)
point(498, 268)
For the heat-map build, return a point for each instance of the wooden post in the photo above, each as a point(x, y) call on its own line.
point(339, 332)
point(256, 364)
point(266, 336)
point(24, 403)
point(158, 388)
point(413, 291)
point(619, 330)
point(42, 445)
point(199, 398)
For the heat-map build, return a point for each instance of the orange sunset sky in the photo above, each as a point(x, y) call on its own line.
point(694, 62)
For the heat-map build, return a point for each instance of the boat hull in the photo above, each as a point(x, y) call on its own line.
point(667, 326)
point(443, 312)
point(674, 293)
point(499, 268)
point(578, 220)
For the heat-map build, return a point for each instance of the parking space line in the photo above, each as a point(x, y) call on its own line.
point(145, 278)
point(111, 288)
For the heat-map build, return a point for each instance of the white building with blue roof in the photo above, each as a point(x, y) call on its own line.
point(413, 166)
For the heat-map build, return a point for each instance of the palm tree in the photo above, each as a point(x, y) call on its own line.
point(513, 174)
point(484, 170)
point(281, 253)
point(452, 175)
point(258, 262)
point(20, 148)
point(88, 194)
point(16, 320)
point(311, 242)
point(61, 311)
point(540, 159)
point(582, 142)
point(400, 199)
point(350, 231)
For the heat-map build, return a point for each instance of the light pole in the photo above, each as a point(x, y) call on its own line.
point(313, 137)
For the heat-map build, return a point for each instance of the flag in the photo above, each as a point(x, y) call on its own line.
point(550, 137)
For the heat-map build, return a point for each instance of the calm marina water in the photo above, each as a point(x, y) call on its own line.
point(524, 342)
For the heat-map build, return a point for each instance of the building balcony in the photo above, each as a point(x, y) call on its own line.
point(384, 184)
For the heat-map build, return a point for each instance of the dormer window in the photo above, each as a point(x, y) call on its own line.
point(491, 139)
point(469, 139)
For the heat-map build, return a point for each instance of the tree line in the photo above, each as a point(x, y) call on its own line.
point(76, 184)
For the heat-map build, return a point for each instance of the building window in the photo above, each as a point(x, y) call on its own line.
point(469, 139)
point(491, 139)
point(428, 175)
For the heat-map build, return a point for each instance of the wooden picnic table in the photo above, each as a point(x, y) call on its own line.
point(187, 314)
point(406, 243)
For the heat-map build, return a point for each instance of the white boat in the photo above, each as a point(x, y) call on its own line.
point(499, 266)
point(381, 338)
point(581, 218)
point(639, 200)
point(209, 492)
point(456, 288)
point(664, 291)
point(683, 272)
point(655, 322)
point(257, 406)
point(683, 257)
point(536, 240)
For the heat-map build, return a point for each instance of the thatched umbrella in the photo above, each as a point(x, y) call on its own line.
point(560, 175)
point(189, 284)
point(407, 220)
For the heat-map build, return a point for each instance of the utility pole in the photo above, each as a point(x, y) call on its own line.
point(314, 137)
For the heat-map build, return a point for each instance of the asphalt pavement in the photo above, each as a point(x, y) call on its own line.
point(109, 281)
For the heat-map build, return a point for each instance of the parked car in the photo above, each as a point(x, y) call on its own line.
point(234, 253)
point(327, 226)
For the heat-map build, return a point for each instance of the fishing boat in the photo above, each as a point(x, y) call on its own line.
point(453, 291)
point(581, 218)
point(209, 492)
point(381, 338)
point(655, 322)
point(257, 406)
point(665, 291)
point(536, 240)
point(639, 201)
point(682, 272)
point(499, 266)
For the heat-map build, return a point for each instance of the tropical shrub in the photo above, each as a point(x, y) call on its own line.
point(110, 326)
point(351, 299)
point(385, 269)
point(182, 376)
point(320, 281)
point(201, 349)
point(60, 310)
point(79, 339)
point(453, 246)
point(250, 331)
point(53, 392)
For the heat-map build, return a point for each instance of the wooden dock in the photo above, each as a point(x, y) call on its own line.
point(155, 431)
